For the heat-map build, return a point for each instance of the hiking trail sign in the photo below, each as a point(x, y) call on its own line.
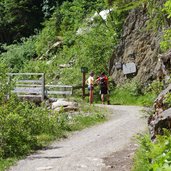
point(129, 68)
point(84, 69)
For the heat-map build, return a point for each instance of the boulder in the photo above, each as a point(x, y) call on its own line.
point(66, 109)
point(164, 92)
point(162, 114)
point(157, 123)
point(62, 104)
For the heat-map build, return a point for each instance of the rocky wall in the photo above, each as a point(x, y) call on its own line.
point(137, 45)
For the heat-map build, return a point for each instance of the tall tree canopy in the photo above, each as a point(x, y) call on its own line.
point(19, 18)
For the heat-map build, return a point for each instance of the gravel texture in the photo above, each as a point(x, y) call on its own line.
point(90, 149)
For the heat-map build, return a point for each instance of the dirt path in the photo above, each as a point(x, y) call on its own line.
point(90, 149)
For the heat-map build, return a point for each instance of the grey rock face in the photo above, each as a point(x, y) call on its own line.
point(162, 115)
point(158, 123)
point(137, 45)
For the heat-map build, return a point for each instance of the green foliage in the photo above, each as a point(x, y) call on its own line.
point(25, 127)
point(167, 8)
point(167, 100)
point(97, 49)
point(95, 44)
point(82, 121)
point(131, 94)
point(157, 17)
point(34, 66)
point(123, 5)
point(141, 160)
point(89, 116)
point(48, 7)
point(134, 88)
point(3, 83)
point(48, 35)
point(74, 12)
point(124, 97)
point(155, 87)
point(153, 156)
point(21, 124)
point(18, 54)
point(92, 47)
point(64, 22)
point(166, 40)
point(5, 164)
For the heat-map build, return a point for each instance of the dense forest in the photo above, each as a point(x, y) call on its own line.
point(58, 37)
point(22, 18)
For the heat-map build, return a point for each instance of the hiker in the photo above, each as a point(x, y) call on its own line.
point(102, 80)
point(90, 82)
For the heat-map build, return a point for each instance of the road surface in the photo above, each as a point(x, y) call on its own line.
point(86, 150)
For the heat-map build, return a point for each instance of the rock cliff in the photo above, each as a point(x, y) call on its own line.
point(137, 45)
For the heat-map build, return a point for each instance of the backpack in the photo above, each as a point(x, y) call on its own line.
point(102, 82)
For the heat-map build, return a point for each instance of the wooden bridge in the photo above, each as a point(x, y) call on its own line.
point(32, 85)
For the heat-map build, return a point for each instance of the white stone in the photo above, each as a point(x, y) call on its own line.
point(63, 103)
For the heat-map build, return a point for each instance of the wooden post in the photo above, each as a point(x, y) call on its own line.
point(83, 85)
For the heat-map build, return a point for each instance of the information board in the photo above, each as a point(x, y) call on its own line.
point(129, 68)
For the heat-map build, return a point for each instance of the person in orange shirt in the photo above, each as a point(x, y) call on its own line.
point(90, 83)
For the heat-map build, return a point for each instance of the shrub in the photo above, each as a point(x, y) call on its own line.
point(21, 123)
point(3, 83)
point(25, 127)
point(17, 54)
point(47, 37)
point(155, 87)
point(153, 155)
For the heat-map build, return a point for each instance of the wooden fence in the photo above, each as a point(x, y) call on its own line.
point(63, 90)
point(32, 85)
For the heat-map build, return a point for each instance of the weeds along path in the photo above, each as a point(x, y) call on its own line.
point(85, 150)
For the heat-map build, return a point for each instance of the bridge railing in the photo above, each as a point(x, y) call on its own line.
point(53, 90)
point(28, 85)
point(32, 85)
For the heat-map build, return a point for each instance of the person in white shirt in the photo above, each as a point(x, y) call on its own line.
point(90, 83)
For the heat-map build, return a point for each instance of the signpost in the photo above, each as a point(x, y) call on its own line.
point(84, 70)
point(129, 68)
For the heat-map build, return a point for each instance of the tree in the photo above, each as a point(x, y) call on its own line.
point(19, 18)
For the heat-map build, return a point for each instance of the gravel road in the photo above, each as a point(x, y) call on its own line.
point(85, 150)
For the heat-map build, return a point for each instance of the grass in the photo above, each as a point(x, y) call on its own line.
point(6, 163)
point(128, 94)
point(86, 117)
point(125, 97)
